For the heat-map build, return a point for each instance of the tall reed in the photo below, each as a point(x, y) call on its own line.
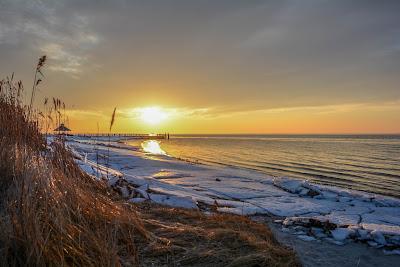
point(109, 141)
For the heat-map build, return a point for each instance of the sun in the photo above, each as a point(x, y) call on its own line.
point(152, 115)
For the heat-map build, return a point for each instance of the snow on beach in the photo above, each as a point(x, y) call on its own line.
point(309, 211)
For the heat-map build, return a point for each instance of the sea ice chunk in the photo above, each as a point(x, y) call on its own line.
point(340, 234)
point(174, 201)
point(378, 237)
point(291, 185)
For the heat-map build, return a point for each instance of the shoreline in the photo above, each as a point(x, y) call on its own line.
point(123, 143)
point(341, 214)
point(339, 162)
point(136, 144)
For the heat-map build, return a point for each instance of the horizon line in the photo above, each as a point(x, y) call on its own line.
point(165, 132)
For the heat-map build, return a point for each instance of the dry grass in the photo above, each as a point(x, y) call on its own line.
point(191, 238)
point(53, 214)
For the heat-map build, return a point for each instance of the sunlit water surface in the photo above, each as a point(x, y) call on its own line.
point(368, 163)
point(153, 147)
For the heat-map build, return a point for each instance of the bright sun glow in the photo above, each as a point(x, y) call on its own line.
point(152, 115)
point(153, 147)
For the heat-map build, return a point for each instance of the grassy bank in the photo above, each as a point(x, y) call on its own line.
point(54, 214)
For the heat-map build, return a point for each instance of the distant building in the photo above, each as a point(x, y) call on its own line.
point(62, 129)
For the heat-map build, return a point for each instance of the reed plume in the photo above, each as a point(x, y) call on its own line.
point(112, 118)
point(36, 80)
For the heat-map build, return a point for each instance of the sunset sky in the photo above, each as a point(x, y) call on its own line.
point(212, 66)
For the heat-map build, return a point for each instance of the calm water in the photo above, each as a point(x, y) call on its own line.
point(368, 163)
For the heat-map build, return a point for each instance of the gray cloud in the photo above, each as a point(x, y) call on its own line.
point(259, 54)
point(43, 27)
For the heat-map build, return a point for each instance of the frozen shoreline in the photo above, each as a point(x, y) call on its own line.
point(309, 212)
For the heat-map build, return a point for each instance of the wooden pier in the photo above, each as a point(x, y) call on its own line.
point(123, 135)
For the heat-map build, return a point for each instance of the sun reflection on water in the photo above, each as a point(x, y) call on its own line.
point(153, 147)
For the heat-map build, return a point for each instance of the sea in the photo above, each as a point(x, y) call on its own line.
point(368, 163)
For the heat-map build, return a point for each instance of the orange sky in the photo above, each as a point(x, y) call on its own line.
point(367, 118)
